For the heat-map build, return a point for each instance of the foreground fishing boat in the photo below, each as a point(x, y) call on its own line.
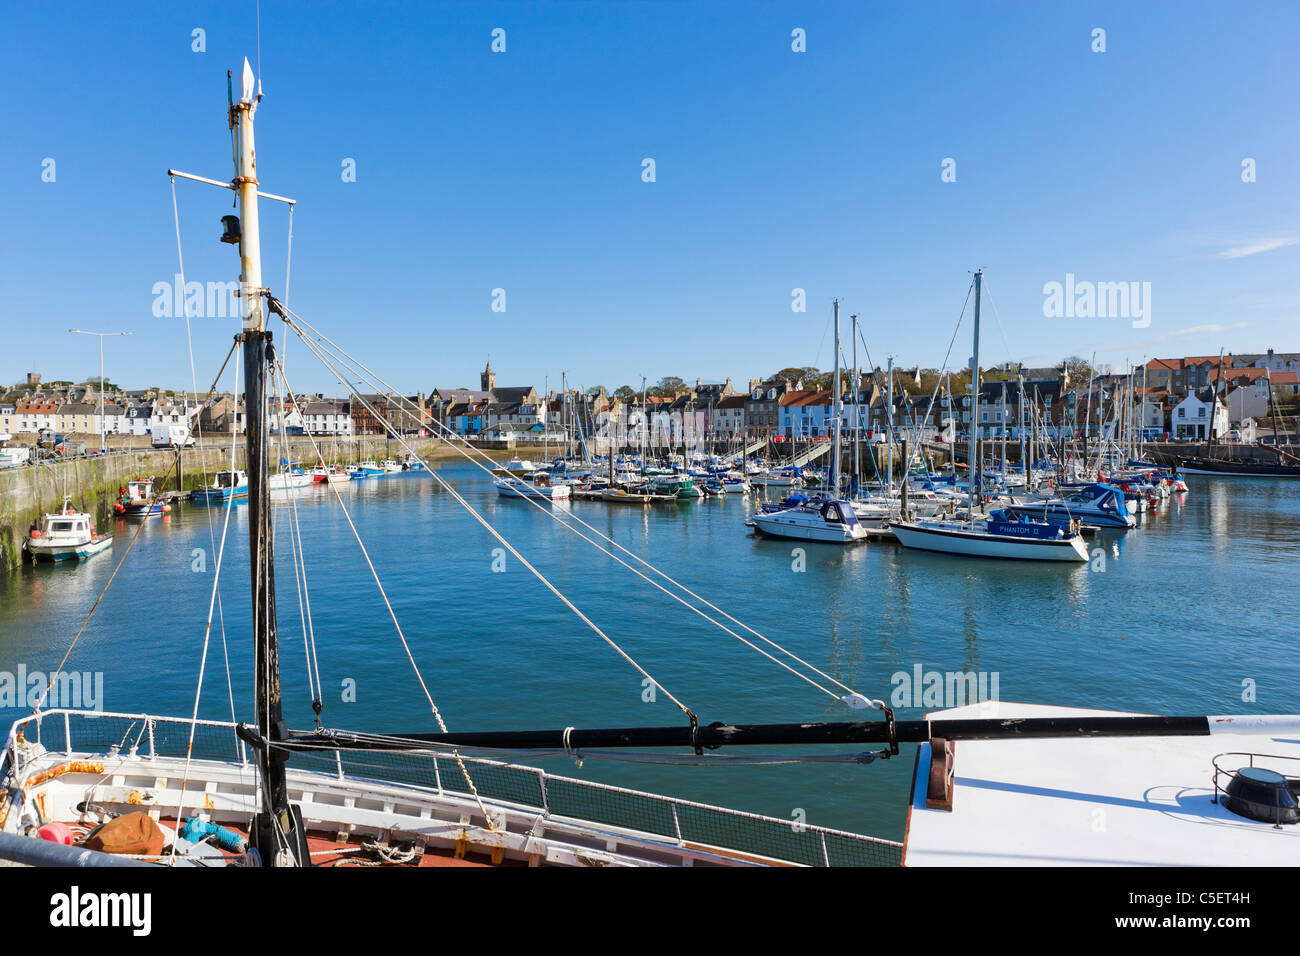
point(66, 535)
point(411, 808)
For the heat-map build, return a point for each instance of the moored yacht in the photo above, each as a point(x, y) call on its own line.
point(333, 475)
point(537, 485)
point(823, 519)
point(1101, 505)
point(1000, 535)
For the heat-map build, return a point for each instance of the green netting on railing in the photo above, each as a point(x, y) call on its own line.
point(675, 821)
point(619, 808)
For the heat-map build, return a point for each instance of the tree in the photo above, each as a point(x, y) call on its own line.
point(807, 374)
point(1078, 370)
point(625, 393)
point(670, 386)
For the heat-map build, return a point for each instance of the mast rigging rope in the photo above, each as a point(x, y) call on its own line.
point(375, 380)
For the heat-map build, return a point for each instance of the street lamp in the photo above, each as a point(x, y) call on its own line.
point(101, 335)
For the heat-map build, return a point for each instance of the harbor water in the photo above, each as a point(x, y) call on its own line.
point(1190, 613)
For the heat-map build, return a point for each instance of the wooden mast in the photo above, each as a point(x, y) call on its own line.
point(277, 831)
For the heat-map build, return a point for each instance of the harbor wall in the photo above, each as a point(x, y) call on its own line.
point(30, 491)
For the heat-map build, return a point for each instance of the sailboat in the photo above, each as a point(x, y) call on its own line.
point(823, 518)
point(1000, 534)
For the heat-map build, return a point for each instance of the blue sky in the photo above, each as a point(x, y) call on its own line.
point(775, 170)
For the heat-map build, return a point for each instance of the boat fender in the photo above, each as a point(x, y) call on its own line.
point(36, 532)
point(56, 833)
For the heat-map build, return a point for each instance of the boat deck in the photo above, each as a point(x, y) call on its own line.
point(1093, 800)
point(327, 851)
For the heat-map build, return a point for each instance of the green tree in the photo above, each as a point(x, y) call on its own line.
point(668, 387)
point(1078, 369)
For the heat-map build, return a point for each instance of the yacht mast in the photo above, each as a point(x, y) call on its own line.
point(889, 424)
point(835, 451)
point(856, 480)
point(972, 469)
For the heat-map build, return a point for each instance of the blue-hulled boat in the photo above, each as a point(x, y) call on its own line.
point(1096, 504)
point(226, 486)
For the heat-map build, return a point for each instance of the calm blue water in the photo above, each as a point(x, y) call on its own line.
point(1188, 606)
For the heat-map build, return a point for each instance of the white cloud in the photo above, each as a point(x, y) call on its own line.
point(1212, 327)
point(1255, 248)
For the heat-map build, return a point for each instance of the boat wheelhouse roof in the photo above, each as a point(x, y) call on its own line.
point(1085, 801)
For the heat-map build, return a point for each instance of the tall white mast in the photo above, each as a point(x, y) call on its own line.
point(250, 246)
point(835, 451)
point(972, 469)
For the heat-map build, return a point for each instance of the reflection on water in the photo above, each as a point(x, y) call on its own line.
point(1158, 630)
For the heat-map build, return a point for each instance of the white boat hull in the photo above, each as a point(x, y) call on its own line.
point(981, 545)
point(49, 551)
point(808, 532)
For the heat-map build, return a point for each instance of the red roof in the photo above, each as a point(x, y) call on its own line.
point(805, 397)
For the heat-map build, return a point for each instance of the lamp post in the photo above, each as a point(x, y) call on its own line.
point(101, 336)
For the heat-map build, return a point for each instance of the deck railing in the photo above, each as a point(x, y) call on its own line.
point(675, 820)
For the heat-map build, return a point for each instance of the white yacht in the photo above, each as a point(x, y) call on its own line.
point(536, 485)
point(288, 480)
point(517, 466)
point(999, 535)
point(827, 519)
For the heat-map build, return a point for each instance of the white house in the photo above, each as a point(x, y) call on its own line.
point(1191, 418)
point(729, 417)
point(327, 418)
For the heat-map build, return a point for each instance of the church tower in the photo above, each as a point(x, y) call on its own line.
point(488, 378)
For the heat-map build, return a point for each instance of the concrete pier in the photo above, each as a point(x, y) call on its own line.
point(30, 491)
